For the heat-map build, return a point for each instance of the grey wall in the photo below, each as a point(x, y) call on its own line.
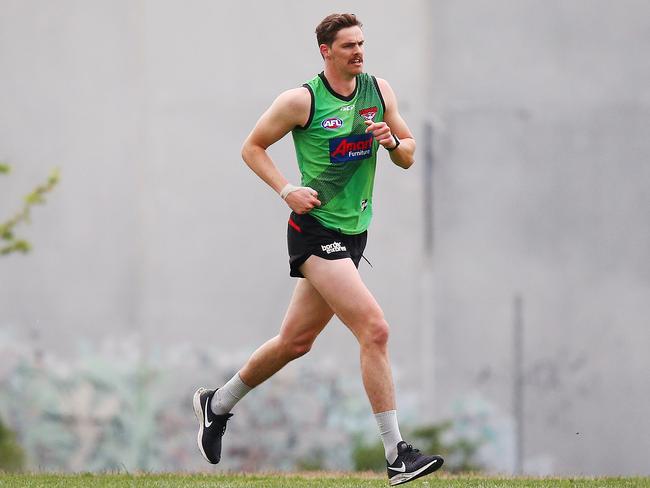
point(147, 105)
point(544, 138)
point(158, 230)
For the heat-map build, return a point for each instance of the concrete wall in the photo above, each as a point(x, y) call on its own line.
point(541, 190)
point(159, 230)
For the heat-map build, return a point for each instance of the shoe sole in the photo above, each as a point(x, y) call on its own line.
point(198, 411)
point(399, 479)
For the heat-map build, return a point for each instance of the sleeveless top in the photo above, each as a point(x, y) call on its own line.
point(336, 156)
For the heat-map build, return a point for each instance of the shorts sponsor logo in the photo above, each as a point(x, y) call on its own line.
point(364, 204)
point(368, 113)
point(332, 123)
point(350, 148)
point(333, 247)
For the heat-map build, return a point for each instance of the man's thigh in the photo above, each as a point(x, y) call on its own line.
point(340, 285)
point(308, 313)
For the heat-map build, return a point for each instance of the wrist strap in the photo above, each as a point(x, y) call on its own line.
point(397, 142)
point(288, 188)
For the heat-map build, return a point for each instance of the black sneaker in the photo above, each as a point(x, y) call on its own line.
point(211, 427)
point(411, 464)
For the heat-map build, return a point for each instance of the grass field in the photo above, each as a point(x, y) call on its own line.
point(325, 480)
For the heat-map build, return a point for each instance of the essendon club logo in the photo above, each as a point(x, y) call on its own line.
point(350, 148)
point(332, 123)
point(368, 113)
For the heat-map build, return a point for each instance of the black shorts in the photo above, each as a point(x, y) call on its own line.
point(307, 236)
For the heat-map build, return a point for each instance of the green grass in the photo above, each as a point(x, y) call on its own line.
point(315, 480)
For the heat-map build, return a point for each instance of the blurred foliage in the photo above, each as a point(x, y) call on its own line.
point(12, 457)
point(313, 461)
point(368, 457)
point(430, 439)
point(458, 453)
point(9, 242)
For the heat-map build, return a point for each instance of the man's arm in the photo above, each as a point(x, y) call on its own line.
point(393, 123)
point(289, 110)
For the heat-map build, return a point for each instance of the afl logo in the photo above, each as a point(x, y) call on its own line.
point(333, 123)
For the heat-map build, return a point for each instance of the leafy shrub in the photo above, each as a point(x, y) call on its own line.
point(430, 439)
point(12, 457)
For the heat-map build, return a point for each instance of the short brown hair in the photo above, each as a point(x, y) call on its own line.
point(328, 28)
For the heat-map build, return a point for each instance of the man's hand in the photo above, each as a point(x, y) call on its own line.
point(303, 200)
point(382, 133)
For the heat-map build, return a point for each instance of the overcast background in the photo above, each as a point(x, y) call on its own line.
point(158, 232)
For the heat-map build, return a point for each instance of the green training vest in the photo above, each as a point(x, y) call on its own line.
point(335, 155)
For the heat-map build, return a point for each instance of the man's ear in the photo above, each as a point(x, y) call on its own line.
point(324, 51)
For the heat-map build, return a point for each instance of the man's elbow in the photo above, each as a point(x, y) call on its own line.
point(406, 164)
point(247, 151)
point(410, 162)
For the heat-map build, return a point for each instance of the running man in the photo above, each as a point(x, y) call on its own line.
point(338, 120)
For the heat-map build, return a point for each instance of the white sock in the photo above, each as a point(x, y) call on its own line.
point(389, 431)
point(228, 395)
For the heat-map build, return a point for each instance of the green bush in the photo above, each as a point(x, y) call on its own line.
point(12, 457)
point(458, 454)
point(368, 457)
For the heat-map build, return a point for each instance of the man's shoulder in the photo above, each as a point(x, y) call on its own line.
point(386, 93)
point(292, 106)
point(382, 83)
point(294, 99)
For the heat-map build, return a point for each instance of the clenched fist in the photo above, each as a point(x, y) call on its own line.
point(303, 200)
point(382, 134)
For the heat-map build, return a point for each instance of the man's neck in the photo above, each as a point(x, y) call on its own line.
point(342, 85)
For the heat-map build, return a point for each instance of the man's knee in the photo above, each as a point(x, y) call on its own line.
point(377, 331)
point(294, 347)
point(299, 348)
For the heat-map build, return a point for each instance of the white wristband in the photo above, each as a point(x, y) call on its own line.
point(288, 188)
